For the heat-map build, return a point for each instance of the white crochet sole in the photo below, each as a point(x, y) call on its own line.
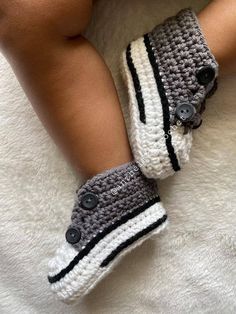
point(149, 140)
point(88, 271)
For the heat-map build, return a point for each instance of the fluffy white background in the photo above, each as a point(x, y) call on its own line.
point(189, 269)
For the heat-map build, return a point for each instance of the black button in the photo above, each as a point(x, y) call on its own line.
point(73, 235)
point(205, 75)
point(89, 201)
point(185, 112)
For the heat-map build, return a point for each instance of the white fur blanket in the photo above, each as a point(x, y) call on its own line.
point(188, 269)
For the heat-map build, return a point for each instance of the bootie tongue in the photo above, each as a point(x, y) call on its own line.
point(114, 212)
point(169, 73)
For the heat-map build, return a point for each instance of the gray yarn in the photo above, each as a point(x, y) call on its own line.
point(181, 51)
point(119, 191)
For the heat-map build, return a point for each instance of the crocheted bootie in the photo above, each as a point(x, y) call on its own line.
point(169, 73)
point(114, 212)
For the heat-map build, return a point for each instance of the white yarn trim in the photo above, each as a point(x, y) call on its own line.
point(64, 255)
point(85, 275)
point(148, 140)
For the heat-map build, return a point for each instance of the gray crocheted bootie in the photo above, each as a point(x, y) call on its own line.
point(114, 212)
point(169, 73)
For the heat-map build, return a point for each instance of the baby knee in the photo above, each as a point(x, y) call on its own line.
point(23, 20)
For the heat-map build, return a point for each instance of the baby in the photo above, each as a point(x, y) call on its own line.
point(169, 73)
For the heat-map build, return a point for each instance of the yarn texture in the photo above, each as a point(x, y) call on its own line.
point(114, 212)
point(169, 73)
point(181, 51)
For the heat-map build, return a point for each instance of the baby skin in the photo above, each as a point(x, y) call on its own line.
point(72, 91)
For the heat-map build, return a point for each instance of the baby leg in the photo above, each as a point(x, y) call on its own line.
point(218, 22)
point(66, 80)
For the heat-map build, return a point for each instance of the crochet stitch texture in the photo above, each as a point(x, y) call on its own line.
point(114, 212)
point(119, 191)
point(169, 73)
point(181, 51)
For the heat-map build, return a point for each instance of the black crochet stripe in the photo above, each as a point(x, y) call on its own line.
point(137, 85)
point(165, 104)
point(131, 240)
point(99, 237)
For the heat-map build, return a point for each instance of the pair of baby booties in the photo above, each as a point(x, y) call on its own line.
point(169, 73)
